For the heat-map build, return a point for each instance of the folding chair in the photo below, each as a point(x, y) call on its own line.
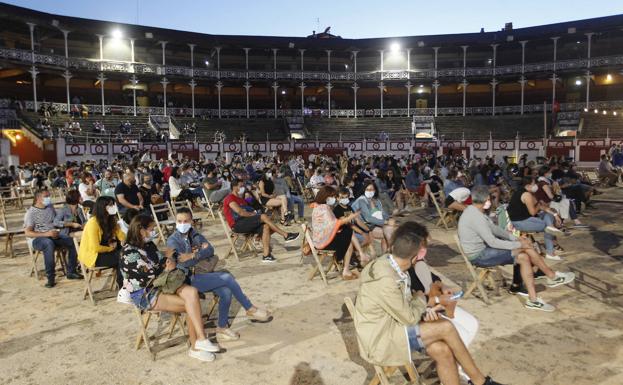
point(319, 257)
point(479, 275)
point(144, 317)
point(164, 226)
point(211, 206)
point(308, 193)
point(414, 199)
point(383, 372)
point(179, 204)
point(88, 273)
point(232, 238)
point(10, 196)
point(59, 254)
point(9, 234)
point(446, 217)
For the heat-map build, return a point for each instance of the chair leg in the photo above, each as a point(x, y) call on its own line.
point(482, 276)
point(143, 322)
point(413, 374)
point(88, 290)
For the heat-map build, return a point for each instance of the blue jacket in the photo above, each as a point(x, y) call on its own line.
point(184, 243)
point(363, 204)
point(412, 181)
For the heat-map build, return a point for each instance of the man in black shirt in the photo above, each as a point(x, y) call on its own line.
point(128, 194)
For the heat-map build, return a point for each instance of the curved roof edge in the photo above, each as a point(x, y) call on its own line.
point(528, 33)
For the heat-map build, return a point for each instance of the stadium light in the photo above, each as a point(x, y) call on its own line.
point(116, 34)
point(283, 92)
point(586, 110)
point(207, 63)
point(395, 47)
point(578, 82)
point(596, 111)
point(609, 77)
point(604, 112)
point(614, 113)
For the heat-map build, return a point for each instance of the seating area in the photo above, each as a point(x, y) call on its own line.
point(255, 130)
point(479, 127)
point(601, 126)
point(357, 129)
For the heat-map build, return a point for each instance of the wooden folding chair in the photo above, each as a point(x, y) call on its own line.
point(59, 254)
point(88, 273)
point(308, 193)
point(413, 197)
point(166, 226)
point(179, 204)
point(233, 238)
point(9, 234)
point(144, 317)
point(319, 257)
point(10, 196)
point(479, 276)
point(446, 217)
point(210, 206)
point(383, 372)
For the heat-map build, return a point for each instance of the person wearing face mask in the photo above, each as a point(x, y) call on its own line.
point(194, 251)
point(70, 218)
point(282, 188)
point(213, 186)
point(374, 215)
point(331, 233)
point(391, 324)
point(361, 232)
point(549, 194)
point(487, 245)
point(527, 214)
point(141, 262)
point(271, 199)
point(39, 225)
point(243, 219)
point(100, 245)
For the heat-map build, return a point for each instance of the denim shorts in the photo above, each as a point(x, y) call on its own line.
point(415, 340)
point(145, 299)
point(493, 257)
point(359, 237)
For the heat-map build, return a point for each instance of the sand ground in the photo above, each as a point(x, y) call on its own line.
point(55, 337)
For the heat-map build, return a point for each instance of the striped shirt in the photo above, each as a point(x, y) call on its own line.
point(40, 220)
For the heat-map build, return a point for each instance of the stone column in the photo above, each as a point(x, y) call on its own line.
point(33, 70)
point(589, 36)
point(164, 45)
point(328, 60)
point(409, 86)
point(192, 85)
point(132, 50)
point(355, 87)
point(381, 87)
point(219, 87)
point(218, 63)
point(522, 79)
point(275, 63)
point(329, 88)
point(302, 52)
point(247, 87)
point(246, 62)
point(67, 76)
point(164, 83)
point(134, 81)
point(102, 79)
point(493, 84)
point(523, 82)
point(436, 87)
point(275, 87)
point(465, 84)
point(302, 87)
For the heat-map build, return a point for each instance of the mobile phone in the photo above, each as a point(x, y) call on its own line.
point(456, 296)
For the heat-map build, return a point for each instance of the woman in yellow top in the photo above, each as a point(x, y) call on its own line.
point(100, 245)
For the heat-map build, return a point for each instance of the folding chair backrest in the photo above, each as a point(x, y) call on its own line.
point(179, 204)
point(160, 208)
point(225, 225)
point(3, 223)
point(434, 198)
point(467, 261)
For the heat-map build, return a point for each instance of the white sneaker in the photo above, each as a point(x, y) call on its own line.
point(560, 279)
point(553, 230)
point(539, 304)
point(207, 346)
point(553, 257)
point(123, 296)
point(201, 355)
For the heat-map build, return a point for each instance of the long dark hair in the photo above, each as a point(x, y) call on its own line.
point(134, 238)
point(106, 221)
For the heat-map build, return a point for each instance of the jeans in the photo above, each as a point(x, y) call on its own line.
point(295, 199)
point(47, 247)
point(197, 192)
point(534, 224)
point(224, 285)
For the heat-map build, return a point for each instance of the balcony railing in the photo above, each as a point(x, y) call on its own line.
point(336, 113)
point(26, 56)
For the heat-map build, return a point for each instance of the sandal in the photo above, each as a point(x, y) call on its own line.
point(350, 277)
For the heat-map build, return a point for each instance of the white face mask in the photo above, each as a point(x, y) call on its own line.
point(369, 194)
point(183, 227)
point(241, 191)
point(487, 205)
point(112, 210)
point(269, 175)
point(47, 201)
point(331, 201)
point(151, 236)
point(344, 201)
point(534, 188)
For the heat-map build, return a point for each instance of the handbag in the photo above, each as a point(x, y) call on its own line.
point(170, 281)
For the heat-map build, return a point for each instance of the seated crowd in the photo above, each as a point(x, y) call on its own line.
point(355, 201)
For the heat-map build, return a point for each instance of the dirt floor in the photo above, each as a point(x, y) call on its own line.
point(52, 336)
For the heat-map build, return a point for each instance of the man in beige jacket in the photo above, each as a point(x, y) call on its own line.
point(391, 324)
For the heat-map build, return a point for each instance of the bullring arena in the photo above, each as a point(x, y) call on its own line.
point(117, 138)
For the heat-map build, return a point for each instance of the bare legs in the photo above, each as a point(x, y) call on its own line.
point(264, 218)
point(186, 301)
point(280, 201)
point(526, 258)
point(444, 345)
